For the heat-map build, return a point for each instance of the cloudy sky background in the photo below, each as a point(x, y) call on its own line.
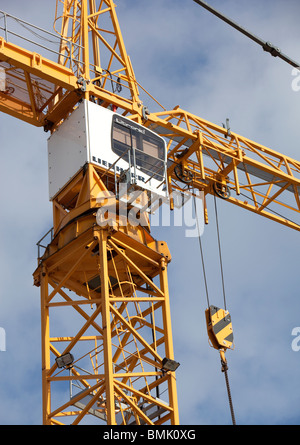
point(184, 56)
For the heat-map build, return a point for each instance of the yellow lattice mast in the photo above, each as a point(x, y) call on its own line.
point(84, 28)
point(116, 281)
point(115, 357)
point(93, 48)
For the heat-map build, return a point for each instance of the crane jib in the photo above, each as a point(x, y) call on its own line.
point(265, 172)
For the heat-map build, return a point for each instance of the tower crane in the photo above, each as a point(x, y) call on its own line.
point(112, 162)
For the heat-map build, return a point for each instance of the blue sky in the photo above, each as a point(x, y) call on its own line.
point(183, 56)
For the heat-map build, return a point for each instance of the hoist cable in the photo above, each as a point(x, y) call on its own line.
point(201, 251)
point(220, 253)
point(224, 364)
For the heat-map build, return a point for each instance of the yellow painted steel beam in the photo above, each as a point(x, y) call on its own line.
point(131, 365)
point(56, 79)
point(37, 65)
point(114, 336)
point(211, 157)
point(204, 149)
point(193, 141)
point(46, 390)
point(107, 340)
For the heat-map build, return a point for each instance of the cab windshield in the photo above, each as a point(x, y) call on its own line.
point(139, 147)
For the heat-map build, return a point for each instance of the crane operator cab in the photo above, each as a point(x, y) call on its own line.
point(143, 153)
point(133, 155)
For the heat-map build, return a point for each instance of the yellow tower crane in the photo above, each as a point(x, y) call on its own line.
point(111, 162)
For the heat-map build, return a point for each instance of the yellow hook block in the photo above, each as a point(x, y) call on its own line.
point(219, 328)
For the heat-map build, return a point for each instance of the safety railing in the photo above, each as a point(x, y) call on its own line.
point(37, 39)
point(43, 243)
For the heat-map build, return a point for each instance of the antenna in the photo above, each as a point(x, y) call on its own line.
point(266, 46)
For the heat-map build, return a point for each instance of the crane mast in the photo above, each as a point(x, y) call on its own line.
point(107, 347)
point(118, 271)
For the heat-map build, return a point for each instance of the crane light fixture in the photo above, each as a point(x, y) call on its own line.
point(169, 365)
point(65, 360)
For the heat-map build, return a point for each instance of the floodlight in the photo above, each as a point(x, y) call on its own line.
point(169, 365)
point(65, 361)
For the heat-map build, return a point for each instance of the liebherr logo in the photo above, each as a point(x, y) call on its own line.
point(132, 127)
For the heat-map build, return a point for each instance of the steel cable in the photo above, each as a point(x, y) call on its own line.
point(201, 251)
point(224, 369)
point(220, 253)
